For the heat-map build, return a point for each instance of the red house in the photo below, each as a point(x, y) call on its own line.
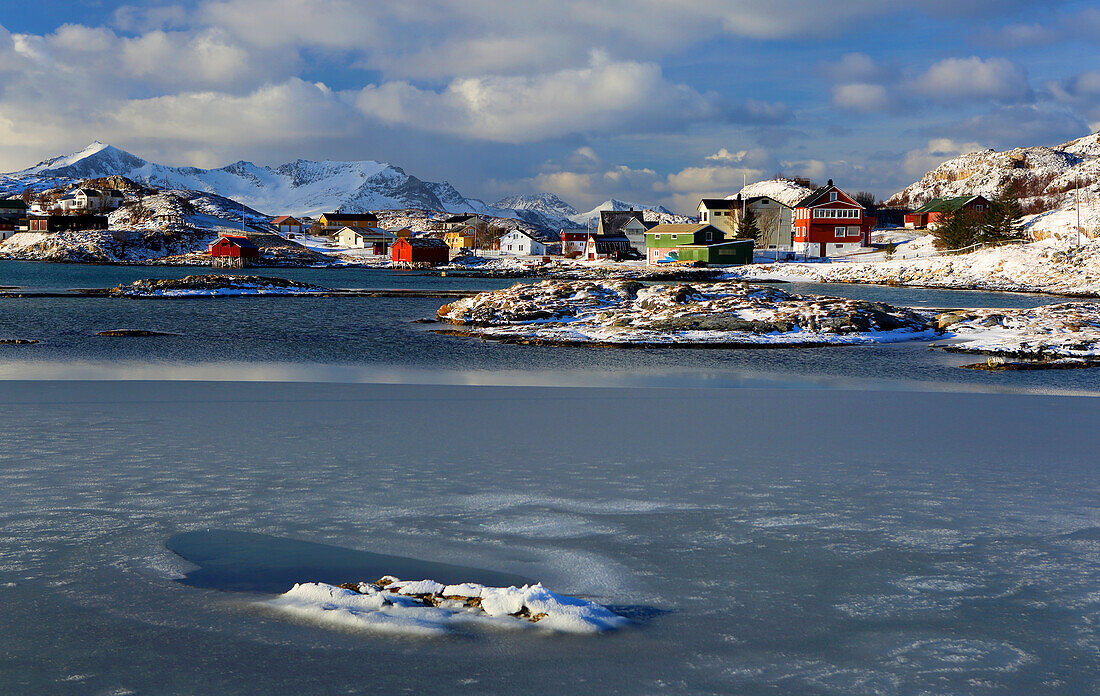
point(419, 251)
point(829, 222)
point(930, 213)
point(233, 251)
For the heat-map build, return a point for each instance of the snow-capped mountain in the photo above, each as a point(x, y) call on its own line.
point(652, 213)
point(305, 187)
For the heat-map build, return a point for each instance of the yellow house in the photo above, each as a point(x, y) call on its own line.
point(334, 221)
point(460, 238)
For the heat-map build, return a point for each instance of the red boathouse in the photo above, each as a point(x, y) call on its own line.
point(233, 251)
point(419, 251)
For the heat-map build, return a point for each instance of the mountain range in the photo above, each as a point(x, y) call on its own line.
point(304, 187)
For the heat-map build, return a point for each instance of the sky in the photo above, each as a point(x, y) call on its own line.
point(650, 101)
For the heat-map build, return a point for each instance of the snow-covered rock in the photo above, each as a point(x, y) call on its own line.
point(425, 608)
point(628, 313)
point(1052, 332)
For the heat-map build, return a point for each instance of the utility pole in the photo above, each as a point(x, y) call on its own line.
point(1077, 198)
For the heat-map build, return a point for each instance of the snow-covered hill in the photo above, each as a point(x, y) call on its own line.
point(1046, 178)
point(785, 191)
point(546, 207)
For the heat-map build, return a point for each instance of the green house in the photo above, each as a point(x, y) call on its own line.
point(695, 242)
point(732, 253)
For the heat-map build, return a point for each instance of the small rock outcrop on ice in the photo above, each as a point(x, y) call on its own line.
point(428, 608)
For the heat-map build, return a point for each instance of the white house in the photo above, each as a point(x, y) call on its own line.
point(82, 199)
point(288, 226)
point(113, 199)
point(519, 243)
point(374, 238)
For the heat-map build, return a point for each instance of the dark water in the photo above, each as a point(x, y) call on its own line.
point(364, 337)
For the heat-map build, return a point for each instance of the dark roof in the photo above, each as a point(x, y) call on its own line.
point(753, 199)
point(423, 241)
point(719, 203)
point(88, 192)
point(351, 216)
point(13, 203)
point(115, 193)
point(944, 205)
point(238, 241)
point(461, 218)
point(817, 193)
point(612, 221)
point(613, 237)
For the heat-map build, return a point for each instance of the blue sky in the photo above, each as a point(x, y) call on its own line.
point(647, 100)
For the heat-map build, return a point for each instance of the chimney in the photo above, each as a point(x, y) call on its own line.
point(830, 182)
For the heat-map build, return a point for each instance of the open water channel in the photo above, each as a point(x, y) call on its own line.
point(868, 520)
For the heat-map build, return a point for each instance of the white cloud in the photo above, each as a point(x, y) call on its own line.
point(957, 80)
point(687, 186)
point(724, 155)
point(935, 152)
point(605, 95)
point(140, 19)
point(861, 97)
point(855, 67)
point(291, 24)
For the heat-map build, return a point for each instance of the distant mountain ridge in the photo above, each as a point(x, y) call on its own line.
point(302, 187)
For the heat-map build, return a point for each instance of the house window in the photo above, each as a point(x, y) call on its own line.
point(509, 247)
point(672, 236)
point(704, 216)
point(709, 236)
point(841, 231)
point(832, 196)
point(657, 236)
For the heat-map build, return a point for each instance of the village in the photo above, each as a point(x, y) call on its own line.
point(793, 221)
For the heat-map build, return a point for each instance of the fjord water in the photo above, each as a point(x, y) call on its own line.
point(829, 521)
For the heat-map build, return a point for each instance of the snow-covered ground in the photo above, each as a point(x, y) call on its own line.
point(1066, 330)
point(628, 313)
point(425, 608)
point(1053, 265)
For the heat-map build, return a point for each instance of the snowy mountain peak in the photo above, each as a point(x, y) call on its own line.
point(547, 203)
point(652, 213)
point(302, 187)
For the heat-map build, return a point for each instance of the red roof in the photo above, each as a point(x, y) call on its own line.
point(283, 218)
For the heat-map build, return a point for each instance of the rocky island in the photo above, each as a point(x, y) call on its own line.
point(717, 315)
point(213, 285)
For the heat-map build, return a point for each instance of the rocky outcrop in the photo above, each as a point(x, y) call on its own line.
point(214, 284)
point(629, 313)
